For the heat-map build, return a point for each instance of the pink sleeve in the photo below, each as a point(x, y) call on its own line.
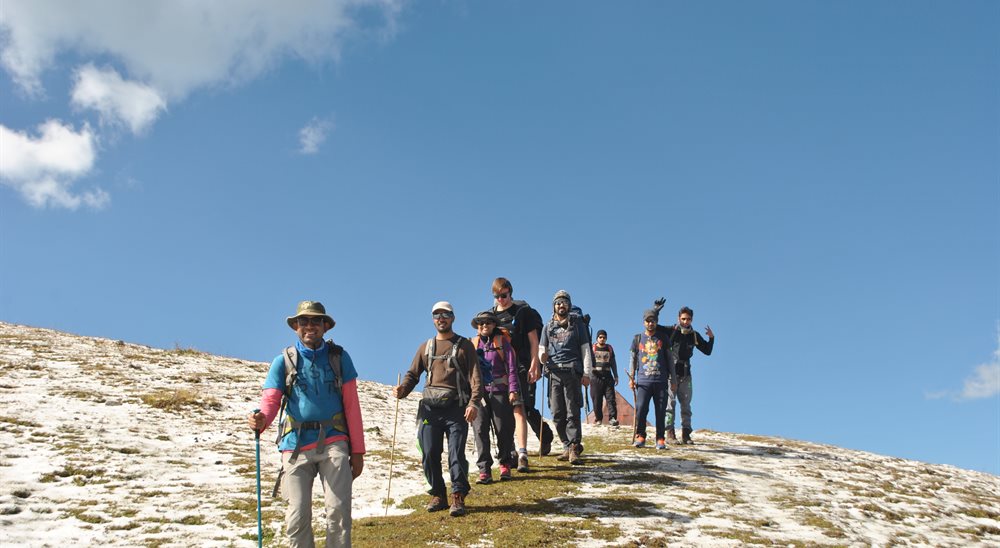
point(352, 409)
point(270, 401)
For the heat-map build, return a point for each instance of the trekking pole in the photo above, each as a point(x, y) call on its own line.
point(541, 416)
point(635, 413)
point(392, 451)
point(260, 527)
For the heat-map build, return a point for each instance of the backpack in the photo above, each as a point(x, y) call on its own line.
point(287, 424)
point(500, 337)
point(577, 313)
point(452, 357)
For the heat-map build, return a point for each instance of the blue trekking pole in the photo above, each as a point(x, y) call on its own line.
point(260, 528)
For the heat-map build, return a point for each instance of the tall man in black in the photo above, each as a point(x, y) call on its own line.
point(525, 327)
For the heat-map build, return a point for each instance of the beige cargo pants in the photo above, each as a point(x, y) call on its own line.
point(333, 466)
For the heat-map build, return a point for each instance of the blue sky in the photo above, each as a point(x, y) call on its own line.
point(819, 181)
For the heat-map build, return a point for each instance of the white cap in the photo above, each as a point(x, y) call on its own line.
point(442, 305)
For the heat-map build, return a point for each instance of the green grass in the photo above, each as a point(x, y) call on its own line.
point(511, 513)
point(179, 400)
point(71, 470)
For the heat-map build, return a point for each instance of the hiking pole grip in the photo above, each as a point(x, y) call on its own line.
point(260, 525)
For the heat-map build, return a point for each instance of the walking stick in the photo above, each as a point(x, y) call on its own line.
point(392, 451)
point(260, 527)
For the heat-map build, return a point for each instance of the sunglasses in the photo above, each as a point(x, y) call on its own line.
point(306, 320)
point(442, 315)
point(502, 296)
point(482, 323)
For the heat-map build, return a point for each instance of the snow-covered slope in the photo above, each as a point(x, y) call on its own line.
point(105, 442)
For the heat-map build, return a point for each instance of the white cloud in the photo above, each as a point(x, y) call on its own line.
point(175, 46)
point(118, 101)
point(313, 135)
point(43, 168)
point(162, 50)
point(983, 383)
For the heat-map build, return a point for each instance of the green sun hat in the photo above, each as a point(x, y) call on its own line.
point(311, 308)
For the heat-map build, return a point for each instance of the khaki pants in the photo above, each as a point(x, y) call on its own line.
point(333, 466)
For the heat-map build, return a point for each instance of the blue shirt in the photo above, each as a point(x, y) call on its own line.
point(314, 396)
point(651, 360)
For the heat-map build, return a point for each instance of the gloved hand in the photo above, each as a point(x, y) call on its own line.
point(658, 304)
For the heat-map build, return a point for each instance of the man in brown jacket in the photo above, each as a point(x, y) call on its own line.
point(453, 388)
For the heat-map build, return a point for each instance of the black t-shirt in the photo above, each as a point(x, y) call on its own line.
point(520, 319)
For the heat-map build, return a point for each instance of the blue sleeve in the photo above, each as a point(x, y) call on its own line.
point(276, 375)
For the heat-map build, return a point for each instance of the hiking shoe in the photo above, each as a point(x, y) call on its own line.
point(579, 449)
point(661, 444)
point(640, 441)
point(504, 472)
point(614, 422)
point(522, 463)
point(686, 437)
point(565, 454)
point(671, 436)
point(485, 478)
point(574, 455)
point(457, 505)
point(436, 503)
point(545, 448)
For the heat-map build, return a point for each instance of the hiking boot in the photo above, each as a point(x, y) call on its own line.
point(545, 448)
point(485, 478)
point(565, 454)
point(504, 472)
point(614, 422)
point(671, 436)
point(579, 449)
point(640, 441)
point(686, 437)
point(574, 455)
point(522, 463)
point(457, 505)
point(661, 444)
point(436, 503)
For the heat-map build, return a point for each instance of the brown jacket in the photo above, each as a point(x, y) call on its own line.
point(444, 374)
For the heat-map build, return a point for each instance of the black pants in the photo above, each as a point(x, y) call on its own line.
point(498, 415)
point(602, 386)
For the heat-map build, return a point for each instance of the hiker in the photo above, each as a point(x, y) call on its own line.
point(604, 379)
point(451, 394)
point(683, 340)
point(524, 325)
point(499, 372)
point(650, 370)
point(565, 351)
point(314, 384)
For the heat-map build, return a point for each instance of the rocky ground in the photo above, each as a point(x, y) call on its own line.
point(106, 442)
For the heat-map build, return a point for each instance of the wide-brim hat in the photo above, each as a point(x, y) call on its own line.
point(483, 317)
point(310, 308)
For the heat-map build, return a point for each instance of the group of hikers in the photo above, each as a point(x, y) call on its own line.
point(487, 381)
